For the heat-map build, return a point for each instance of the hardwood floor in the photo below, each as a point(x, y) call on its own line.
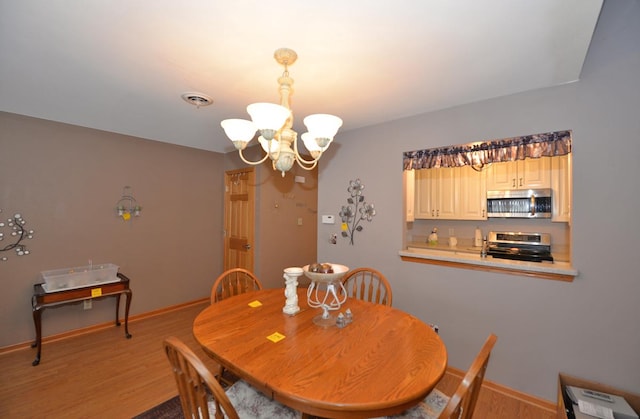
point(102, 374)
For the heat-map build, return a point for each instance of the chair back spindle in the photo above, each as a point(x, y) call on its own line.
point(369, 285)
point(232, 282)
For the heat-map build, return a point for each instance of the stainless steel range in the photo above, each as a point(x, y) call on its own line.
point(532, 247)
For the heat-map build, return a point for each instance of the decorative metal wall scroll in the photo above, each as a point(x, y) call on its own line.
point(17, 234)
point(356, 211)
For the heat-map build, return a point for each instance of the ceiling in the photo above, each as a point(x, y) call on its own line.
point(122, 66)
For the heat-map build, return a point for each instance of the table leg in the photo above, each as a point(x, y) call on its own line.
point(126, 314)
point(118, 309)
point(37, 320)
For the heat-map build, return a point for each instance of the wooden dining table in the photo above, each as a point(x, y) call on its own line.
point(383, 362)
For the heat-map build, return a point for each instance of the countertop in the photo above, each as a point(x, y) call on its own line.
point(470, 255)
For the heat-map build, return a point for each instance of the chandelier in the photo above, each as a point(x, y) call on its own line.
point(274, 123)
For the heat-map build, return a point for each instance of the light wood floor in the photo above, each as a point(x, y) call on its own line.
point(102, 374)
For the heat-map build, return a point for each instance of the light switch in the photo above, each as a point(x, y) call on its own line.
point(328, 219)
point(300, 221)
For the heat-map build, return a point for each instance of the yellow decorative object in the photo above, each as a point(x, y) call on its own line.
point(276, 337)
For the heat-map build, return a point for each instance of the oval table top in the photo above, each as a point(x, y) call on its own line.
point(382, 363)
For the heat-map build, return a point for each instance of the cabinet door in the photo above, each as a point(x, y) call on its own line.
point(435, 193)
point(502, 176)
point(424, 194)
point(519, 174)
point(561, 188)
point(534, 173)
point(446, 195)
point(472, 194)
point(409, 185)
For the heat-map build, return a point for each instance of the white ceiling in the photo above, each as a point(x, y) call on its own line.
point(122, 65)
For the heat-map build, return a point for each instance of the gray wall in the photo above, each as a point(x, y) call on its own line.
point(65, 181)
point(587, 328)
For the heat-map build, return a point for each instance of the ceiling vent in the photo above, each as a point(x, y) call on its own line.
point(197, 99)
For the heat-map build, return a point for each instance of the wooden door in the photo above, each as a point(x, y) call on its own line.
point(239, 210)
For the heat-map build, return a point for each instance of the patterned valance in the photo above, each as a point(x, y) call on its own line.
point(479, 154)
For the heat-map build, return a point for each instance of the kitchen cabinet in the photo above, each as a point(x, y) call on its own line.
point(450, 193)
point(435, 193)
point(520, 174)
point(472, 194)
point(561, 192)
point(408, 182)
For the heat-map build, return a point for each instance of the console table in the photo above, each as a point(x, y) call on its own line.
point(42, 299)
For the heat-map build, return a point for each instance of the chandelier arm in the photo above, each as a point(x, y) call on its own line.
point(300, 161)
point(253, 163)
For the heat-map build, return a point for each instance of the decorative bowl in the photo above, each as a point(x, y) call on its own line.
point(338, 272)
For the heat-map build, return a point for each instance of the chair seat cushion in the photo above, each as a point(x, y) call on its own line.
point(251, 404)
point(429, 408)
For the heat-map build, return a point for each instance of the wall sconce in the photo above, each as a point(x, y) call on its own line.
point(127, 205)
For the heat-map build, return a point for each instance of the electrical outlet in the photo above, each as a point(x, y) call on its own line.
point(88, 304)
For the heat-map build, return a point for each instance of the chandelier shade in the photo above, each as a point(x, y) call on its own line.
point(274, 124)
point(322, 128)
point(268, 116)
point(239, 131)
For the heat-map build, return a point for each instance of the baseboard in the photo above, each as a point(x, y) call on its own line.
point(509, 392)
point(101, 326)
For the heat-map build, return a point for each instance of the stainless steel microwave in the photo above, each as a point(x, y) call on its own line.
point(519, 203)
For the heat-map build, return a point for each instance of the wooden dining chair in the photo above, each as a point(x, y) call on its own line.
point(368, 284)
point(463, 402)
point(201, 396)
point(233, 282)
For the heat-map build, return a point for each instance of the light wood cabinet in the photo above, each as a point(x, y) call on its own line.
point(561, 191)
point(472, 194)
point(408, 183)
point(520, 174)
point(452, 193)
point(435, 193)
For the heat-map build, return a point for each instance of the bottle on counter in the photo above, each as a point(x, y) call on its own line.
point(477, 238)
point(483, 252)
